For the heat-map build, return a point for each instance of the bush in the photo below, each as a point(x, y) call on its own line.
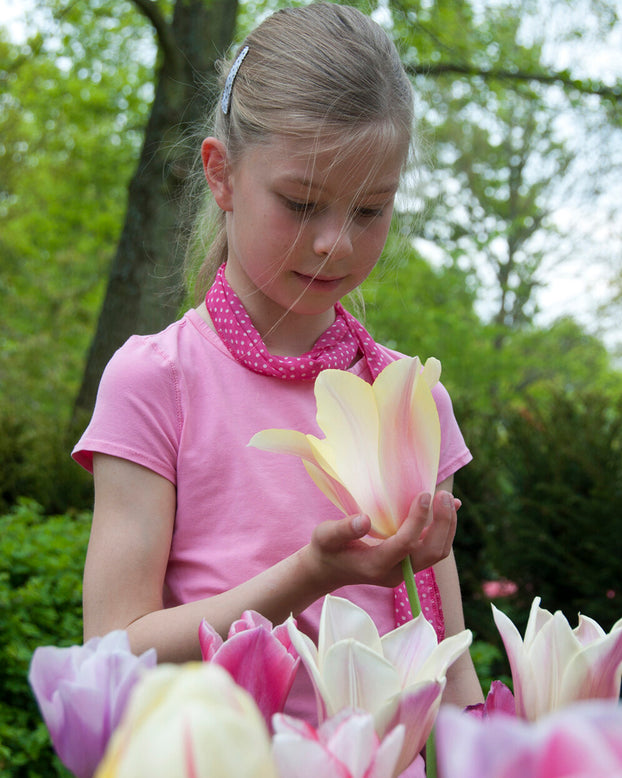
point(41, 563)
point(544, 508)
point(35, 461)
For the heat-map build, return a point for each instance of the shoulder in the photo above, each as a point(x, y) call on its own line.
point(439, 392)
point(139, 410)
point(147, 355)
point(151, 363)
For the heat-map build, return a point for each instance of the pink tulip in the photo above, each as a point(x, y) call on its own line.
point(556, 665)
point(582, 741)
point(501, 588)
point(499, 700)
point(345, 746)
point(82, 693)
point(260, 659)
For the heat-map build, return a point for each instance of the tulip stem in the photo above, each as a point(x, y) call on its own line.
point(430, 756)
point(411, 587)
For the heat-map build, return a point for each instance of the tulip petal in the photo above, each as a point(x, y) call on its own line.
point(186, 716)
point(309, 655)
point(82, 692)
point(471, 748)
point(588, 630)
point(409, 646)
point(333, 489)
point(538, 618)
point(524, 681)
point(297, 758)
point(351, 748)
point(259, 663)
point(556, 665)
point(545, 661)
point(388, 753)
point(596, 671)
point(249, 620)
point(283, 442)
point(499, 700)
point(342, 619)
point(209, 640)
point(357, 677)
point(409, 447)
point(576, 741)
point(347, 414)
point(352, 739)
point(416, 710)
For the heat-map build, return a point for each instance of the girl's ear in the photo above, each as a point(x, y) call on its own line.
point(217, 172)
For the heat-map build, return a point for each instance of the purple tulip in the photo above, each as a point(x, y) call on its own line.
point(499, 700)
point(584, 739)
point(82, 692)
point(260, 659)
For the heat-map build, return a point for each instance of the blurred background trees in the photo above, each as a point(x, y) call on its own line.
point(515, 195)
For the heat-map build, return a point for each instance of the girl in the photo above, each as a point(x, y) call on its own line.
point(310, 137)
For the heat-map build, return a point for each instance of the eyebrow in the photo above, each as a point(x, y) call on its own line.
point(308, 184)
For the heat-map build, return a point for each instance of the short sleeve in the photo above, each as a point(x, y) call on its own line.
point(454, 451)
point(138, 413)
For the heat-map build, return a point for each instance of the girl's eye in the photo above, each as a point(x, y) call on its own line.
point(299, 207)
point(369, 213)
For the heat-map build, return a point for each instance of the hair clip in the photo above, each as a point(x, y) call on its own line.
point(225, 101)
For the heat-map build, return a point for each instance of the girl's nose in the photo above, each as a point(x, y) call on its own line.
point(332, 238)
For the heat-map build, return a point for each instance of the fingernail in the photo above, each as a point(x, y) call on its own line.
point(425, 500)
point(357, 524)
point(448, 500)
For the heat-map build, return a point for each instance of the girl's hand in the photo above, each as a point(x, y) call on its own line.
point(339, 554)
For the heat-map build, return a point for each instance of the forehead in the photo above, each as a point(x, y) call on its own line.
point(336, 167)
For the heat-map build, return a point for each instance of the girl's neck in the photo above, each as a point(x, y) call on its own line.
point(292, 336)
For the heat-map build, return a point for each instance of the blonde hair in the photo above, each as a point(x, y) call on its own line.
point(323, 72)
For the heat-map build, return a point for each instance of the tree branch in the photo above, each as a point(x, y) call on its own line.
point(151, 11)
point(584, 87)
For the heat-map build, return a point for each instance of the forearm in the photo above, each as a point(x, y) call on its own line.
point(284, 589)
point(463, 687)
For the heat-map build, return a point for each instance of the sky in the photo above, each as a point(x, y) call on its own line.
point(579, 284)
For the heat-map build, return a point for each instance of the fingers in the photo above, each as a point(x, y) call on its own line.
point(342, 552)
point(332, 536)
point(427, 533)
point(438, 537)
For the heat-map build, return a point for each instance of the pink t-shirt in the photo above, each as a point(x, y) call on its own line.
point(179, 404)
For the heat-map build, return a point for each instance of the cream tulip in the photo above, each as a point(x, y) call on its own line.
point(398, 678)
point(189, 721)
point(382, 441)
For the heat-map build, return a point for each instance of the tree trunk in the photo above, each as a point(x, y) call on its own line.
point(145, 286)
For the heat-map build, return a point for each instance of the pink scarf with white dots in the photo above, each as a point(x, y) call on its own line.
point(336, 348)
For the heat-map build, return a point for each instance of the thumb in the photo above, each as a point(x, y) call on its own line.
point(334, 535)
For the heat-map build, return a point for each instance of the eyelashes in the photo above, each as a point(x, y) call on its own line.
point(305, 208)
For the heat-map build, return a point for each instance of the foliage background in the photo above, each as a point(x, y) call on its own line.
point(540, 402)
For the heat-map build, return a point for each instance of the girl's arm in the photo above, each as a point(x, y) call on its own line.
point(463, 687)
point(128, 552)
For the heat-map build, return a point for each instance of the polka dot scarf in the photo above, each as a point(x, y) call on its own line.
point(335, 348)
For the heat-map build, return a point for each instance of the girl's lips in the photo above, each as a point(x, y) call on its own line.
point(319, 281)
